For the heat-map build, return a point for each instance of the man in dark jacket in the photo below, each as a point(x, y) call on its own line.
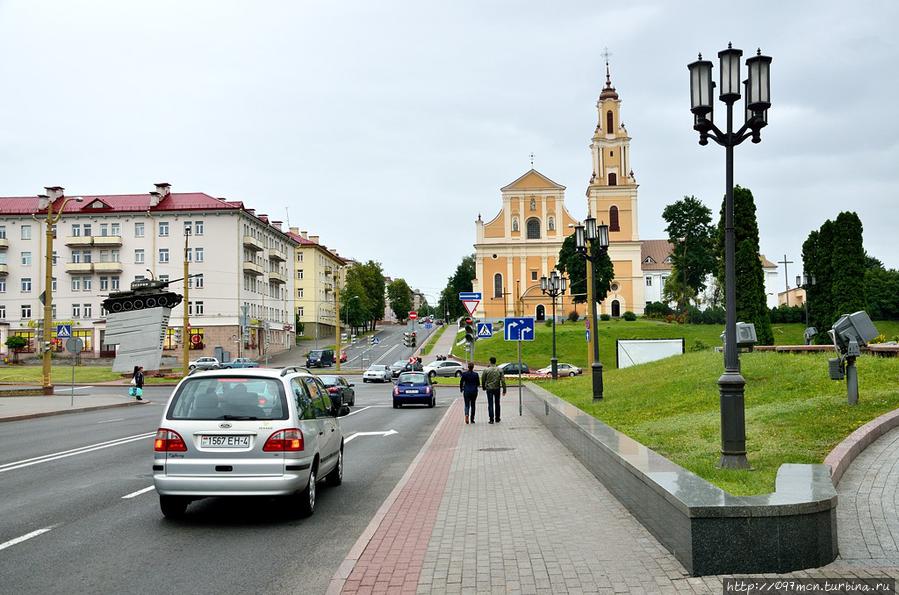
point(492, 381)
point(468, 386)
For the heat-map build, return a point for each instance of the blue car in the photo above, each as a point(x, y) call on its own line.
point(413, 388)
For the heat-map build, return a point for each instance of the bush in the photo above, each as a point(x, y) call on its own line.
point(784, 313)
point(698, 346)
point(549, 322)
point(573, 316)
point(629, 316)
point(657, 310)
point(605, 317)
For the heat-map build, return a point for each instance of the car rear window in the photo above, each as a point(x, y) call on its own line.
point(413, 379)
point(329, 380)
point(231, 397)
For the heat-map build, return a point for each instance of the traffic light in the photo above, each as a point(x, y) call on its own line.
point(178, 335)
point(470, 332)
point(409, 339)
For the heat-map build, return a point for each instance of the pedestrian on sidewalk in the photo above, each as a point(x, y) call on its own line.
point(492, 381)
point(468, 386)
point(137, 383)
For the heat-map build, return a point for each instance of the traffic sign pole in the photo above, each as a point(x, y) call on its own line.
point(519, 375)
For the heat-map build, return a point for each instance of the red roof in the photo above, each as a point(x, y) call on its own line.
point(307, 242)
point(123, 203)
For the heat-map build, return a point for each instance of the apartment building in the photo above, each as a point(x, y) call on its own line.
point(104, 242)
point(317, 269)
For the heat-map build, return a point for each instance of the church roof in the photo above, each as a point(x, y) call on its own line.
point(609, 91)
point(533, 180)
point(654, 254)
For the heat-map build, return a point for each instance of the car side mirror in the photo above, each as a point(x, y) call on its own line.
point(351, 385)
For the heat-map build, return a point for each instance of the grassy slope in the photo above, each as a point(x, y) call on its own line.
point(794, 413)
point(572, 345)
point(433, 338)
point(60, 374)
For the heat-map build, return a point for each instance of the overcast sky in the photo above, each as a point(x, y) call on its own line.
point(386, 127)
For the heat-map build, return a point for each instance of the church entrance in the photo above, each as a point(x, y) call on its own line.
point(541, 313)
point(616, 309)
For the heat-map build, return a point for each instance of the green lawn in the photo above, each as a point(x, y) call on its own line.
point(794, 413)
point(572, 345)
point(60, 374)
point(432, 339)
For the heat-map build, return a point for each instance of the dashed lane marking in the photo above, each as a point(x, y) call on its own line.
point(137, 493)
point(25, 537)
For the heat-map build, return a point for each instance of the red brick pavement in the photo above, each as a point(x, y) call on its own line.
point(392, 560)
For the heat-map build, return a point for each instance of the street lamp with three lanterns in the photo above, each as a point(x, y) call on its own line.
point(554, 286)
point(592, 232)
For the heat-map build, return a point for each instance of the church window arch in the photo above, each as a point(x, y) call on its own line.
point(613, 179)
point(514, 223)
point(613, 218)
point(498, 285)
point(533, 228)
point(610, 120)
point(551, 223)
point(533, 204)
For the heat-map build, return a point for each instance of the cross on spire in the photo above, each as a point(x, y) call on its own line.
point(608, 91)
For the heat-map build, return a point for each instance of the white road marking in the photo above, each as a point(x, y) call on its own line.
point(70, 453)
point(385, 354)
point(137, 493)
point(357, 434)
point(358, 410)
point(63, 391)
point(109, 421)
point(25, 537)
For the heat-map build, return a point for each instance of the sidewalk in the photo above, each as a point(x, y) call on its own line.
point(16, 408)
point(444, 345)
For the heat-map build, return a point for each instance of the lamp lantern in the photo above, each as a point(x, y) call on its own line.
point(730, 74)
point(700, 87)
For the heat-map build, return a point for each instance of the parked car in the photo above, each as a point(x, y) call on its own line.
point(319, 358)
point(563, 369)
point(377, 373)
point(340, 385)
point(204, 363)
point(512, 368)
point(240, 362)
point(444, 368)
point(258, 432)
point(412, 388)
point(397, 367)
point(343, 356)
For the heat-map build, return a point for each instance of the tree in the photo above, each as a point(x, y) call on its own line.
point(848, 265)
point(817, 295)
point(399, 295)
point(575, 266)
point(882, 291)
point(16, 344)
point(751, 304)
point(459, 282)
point(691, 235)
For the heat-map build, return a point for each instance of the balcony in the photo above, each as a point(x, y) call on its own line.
point(277, 255)
point(79, 241)
point(252, 243)
point(4, 270)
point(79, 267)
point(251, 268)
point(107, 241)
point(4, 243)
point(107, 267)
point(277, 278)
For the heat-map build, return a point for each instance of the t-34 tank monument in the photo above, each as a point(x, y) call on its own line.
point(137, 322)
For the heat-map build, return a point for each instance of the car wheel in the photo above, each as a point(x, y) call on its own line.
point(192, 368)
point(458, 373)
point(571, 374)
point(306, 497)
point(431, 374)
point(432, 403)
point(395, 404)
point(335, 477)
point(173, 507)
point(364, 380)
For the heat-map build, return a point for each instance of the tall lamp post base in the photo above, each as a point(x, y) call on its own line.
point(554, 366)
point(596, 371)
point(731, 386)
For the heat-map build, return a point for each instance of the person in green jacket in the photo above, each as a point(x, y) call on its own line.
point(492, 380)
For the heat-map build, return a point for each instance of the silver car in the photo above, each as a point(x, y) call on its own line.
point(251, 432)
point(444, 368)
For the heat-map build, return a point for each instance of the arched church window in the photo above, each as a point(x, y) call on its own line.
point(514, 223)
point(613, 179)
point(498, 285)
point(533, 228)
point(533, 204)
point(613, 218)
point(609, 122)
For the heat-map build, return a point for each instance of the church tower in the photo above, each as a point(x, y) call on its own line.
point(612, 199)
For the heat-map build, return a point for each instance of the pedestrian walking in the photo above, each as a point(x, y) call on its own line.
point(493, 381)
point(137, 383)
point(468, 386)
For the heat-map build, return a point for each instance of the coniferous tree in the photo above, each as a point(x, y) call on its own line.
point(817, 296)
point(848, 265)
point(750, 277)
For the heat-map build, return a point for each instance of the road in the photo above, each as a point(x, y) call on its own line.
point(76, 514)
point(389, 349)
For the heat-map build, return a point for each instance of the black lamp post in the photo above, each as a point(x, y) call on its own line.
point(554, 286)
point(590, 231)
point(805, 281)
point(757, 87)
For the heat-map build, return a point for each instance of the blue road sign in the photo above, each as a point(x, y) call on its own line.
point(429, 326)
point(63, 331)
point(485, 330)
point(519, 329)
point(470, 296)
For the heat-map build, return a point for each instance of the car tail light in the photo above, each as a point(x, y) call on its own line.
point(333, 389)
point(427, 390)
point(396, 391)
point(168, 441)
point(290, 440)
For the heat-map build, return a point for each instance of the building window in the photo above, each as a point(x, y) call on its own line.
point(300, 293)
point(87, 311)
point(2, 312)
point(498, 285)
point(139, 256)
point(198, 228)
point(26, 284)
point(86, 336)
point(53, 283)
point(114, 283)
point(533, 229)
point(300, 311)
point(87, 229)
point(649, 282)
point(76, 283)
point(86, 283)
point(104, 283)
point(2, 232)
point(188, 227)
point(514, 223)
point(26, 310)
point(2, 285)
point(610, 121)
point(299, 257)
point(198, 308)
point(299, 273)
point(26, 259)
point(26, 232)
point(115, 229)
point(613, 217)
point(163, 229)
point(533, 275)
point(163, 255)
point(551, 224)
point(76, 310)
point(163, 278)
point(138, 230)
point(196, 282)
point(613, 179)
point(198, 255)
point(104, 230)
point(649, 260)
point(54, 258)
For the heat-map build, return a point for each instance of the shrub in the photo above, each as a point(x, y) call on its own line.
point(784, 313)
point(698, 346)
point(549, 322)
point(605, 317)
point(573, 316)
point(657, 310)
point(629, 316)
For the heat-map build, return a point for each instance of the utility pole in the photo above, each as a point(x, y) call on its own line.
point(589, 303)
point(337, 315)
point(185, 330)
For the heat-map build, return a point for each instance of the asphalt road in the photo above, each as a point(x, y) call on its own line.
point(76, 515)
point(390, 346)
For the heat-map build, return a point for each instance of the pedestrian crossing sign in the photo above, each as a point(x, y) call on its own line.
point(63, 331)
point(485, 330)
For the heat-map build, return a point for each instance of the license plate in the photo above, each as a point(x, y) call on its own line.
point(411, 392)
point(219, 441)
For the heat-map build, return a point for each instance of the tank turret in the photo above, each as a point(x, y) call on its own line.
point(144, 294)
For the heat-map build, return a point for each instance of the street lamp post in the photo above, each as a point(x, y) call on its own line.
point(590, 231)
point(731, 384)
point(805, 281)
point(554, 286)
point(52, 219)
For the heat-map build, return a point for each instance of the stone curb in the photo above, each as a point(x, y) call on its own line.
point(65, 411)
point(846, 451)
point(346, 567)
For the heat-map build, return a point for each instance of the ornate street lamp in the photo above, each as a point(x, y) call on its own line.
point(757, 89)
point(592, 232)
point(805, 281)
point(554, 286)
